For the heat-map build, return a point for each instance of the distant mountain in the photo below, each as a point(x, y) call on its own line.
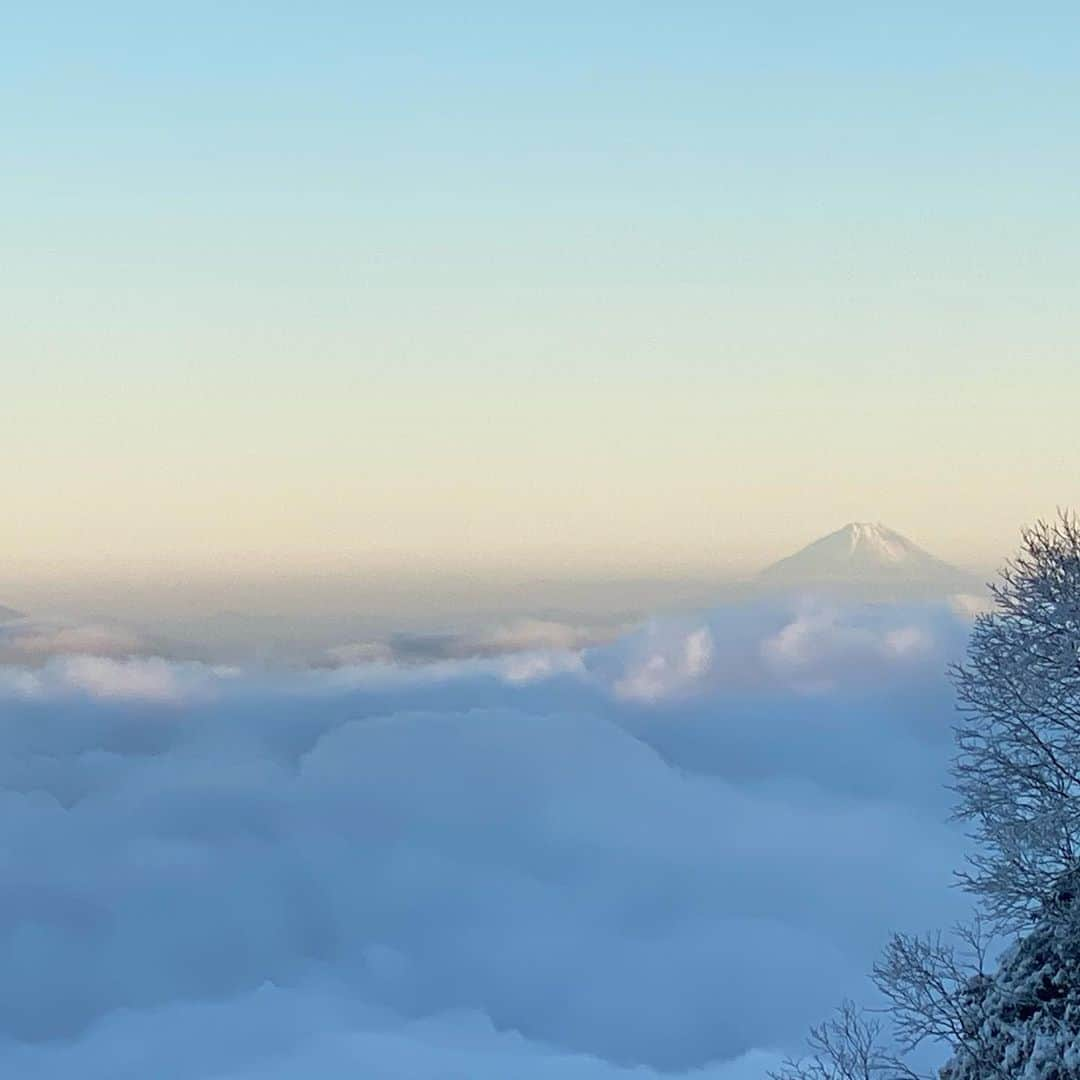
point(7, 613)
point(866, 555)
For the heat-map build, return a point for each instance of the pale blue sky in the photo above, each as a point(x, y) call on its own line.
point(562, 285)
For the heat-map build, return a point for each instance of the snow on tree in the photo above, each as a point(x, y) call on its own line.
point(1017, 778)
point(1017, 772)
point(1025, 1020)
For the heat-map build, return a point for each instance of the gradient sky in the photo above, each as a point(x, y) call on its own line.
point(559, 287)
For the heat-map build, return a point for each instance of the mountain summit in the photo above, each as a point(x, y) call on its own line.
point(864, 554)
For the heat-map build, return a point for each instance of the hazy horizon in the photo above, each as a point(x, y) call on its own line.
point(726, 561)
point(402, 593)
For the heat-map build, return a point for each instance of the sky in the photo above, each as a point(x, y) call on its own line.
point(568, 289)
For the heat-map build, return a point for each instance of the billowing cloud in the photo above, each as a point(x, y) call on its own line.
point(662, 856)
point(823, 644)
point(677, 660)
point(33, 641)
point(135, 679)
point(537, 636)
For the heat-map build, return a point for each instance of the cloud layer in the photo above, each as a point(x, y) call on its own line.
point(663, 855)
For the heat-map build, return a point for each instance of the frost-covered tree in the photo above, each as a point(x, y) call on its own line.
point(1017, 778)
point(1017, 771)
point(1024, 1020)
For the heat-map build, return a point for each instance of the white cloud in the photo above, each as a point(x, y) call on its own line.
point(824, 645)
point(674, 664)
point(31, 641)
point(535, 636)
point(153, 679)
point(528, 667)
point(616, 869)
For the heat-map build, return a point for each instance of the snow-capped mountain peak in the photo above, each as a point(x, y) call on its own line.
point(878, 542)
point(862, 553)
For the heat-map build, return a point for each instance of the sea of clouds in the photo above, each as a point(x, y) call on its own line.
point(663, 855)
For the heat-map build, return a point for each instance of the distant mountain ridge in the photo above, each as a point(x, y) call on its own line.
point(869, 555)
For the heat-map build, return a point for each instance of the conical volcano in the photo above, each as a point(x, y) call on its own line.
point(865, 554)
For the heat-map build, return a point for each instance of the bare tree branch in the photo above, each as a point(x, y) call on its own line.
point(847, 1046)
